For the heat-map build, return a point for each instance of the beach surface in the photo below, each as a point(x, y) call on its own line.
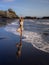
point(35, 43)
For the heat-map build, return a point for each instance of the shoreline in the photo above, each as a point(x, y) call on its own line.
point(35, 38)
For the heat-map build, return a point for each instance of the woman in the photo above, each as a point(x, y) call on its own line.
point(20, 29)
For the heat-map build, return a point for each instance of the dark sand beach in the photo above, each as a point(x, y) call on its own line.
point(29, 53)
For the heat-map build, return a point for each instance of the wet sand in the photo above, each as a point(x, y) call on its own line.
point(28, 53)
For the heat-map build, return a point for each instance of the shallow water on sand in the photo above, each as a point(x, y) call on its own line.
point(30, 52)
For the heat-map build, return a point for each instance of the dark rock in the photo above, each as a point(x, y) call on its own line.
point(45, 33)
point(8, 14)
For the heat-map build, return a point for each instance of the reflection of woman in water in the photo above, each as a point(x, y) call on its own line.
point(19, 47)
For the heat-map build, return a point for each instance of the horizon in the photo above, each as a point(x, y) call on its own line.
point(37, 8)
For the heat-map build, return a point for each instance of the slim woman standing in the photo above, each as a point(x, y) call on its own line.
point(20, 29)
